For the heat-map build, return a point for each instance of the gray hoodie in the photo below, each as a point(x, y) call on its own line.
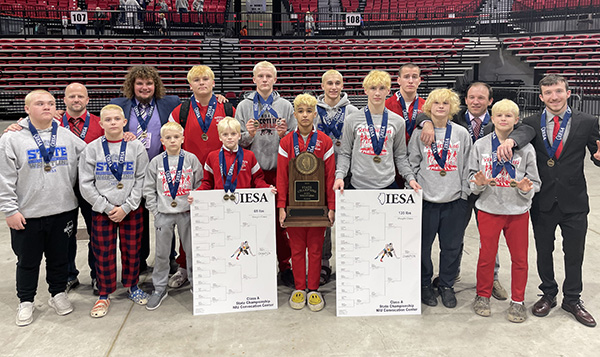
point(24, 185)
point(99, 186)
point(331, 111)
point(265, 144)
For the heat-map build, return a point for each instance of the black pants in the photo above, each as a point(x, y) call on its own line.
point(48, 236)
point(573, 227)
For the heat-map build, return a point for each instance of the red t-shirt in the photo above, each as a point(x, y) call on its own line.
point(393, 104)
point(250, 175)
point(94, 130)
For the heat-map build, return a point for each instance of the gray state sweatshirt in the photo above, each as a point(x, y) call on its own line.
point(24, 185)
point(503, 199)
point(452, 186)
point(331, 112)
point(97, 183)
point(156, 189)
point(265, 144)
point(356, 151)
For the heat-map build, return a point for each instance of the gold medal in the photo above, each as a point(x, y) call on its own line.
point(47, 168)
point(442, 173)
point(377, 159)
point(256, 124)
point(173, 204)
point(493, 183)
point(144, 135)
point(550, 163)
point(513, 183)
point(204, 136)
point(338, 143)
point(226, 197)
point(119, 186)
point(232, 197)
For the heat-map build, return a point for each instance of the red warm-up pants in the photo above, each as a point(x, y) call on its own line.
point(301, 239)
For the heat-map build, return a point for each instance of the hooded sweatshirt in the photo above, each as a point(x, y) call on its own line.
point(331, 112)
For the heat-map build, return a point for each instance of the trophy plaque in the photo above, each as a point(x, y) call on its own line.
point(307, 206)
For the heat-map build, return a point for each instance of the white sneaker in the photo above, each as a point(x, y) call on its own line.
point(25, 313)
point(178, 279)
point(61, 304)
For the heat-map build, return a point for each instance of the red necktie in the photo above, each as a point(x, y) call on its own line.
point(75, 127)
point(554, 132)
point(476, 127)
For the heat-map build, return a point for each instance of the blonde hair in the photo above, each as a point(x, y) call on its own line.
point(199, 71)
point(229, 122)
point(266, 65)
point(332, 72)
point(377, 77)
point(171, 125)
point(33, 93)
point(306, 100)
point(109, 107)
point(505, 106)
point(442, 95)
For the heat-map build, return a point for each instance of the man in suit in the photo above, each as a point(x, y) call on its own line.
point(562, 135)
point(146, 109)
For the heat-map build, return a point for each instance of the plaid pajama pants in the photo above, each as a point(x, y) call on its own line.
point(104, 245)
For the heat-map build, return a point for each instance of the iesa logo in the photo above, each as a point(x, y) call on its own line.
point(250, 197)
point(395, 198)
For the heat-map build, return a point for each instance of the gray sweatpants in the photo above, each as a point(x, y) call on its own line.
point(164, 224)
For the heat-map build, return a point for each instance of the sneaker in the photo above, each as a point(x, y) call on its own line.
point(287, 278)
point(436, 280)
point(298, 299)
point(516, 312)
point(138, 296)
point(178, 279)
point(428, 296)
point(325, 275)
point(315, 301)
point(156, 299)
point(498, 291)
point(448, 297)
point(95, 290)
point(481, 306)
point(100, 308)
point(72, 284)
point(25, 313)
point(61, 304)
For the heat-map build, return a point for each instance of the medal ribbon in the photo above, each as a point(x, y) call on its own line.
point(497, 166)
point(376, 141)
point(483, 123)
point(559, 136)
point(115, 167)
point(46, 154)
point(441, 160)
point(210, 112)
point(332, 126)
point(143, 121)
point(266, 106)
point(312, 143)
point(226, 177)
point(85, 128)
point(173, 185)
point(410, 121)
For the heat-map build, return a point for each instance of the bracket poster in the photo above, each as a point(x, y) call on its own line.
point(378, 252)
point(234, 257)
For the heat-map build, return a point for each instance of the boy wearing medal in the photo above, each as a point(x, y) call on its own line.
point(505, 190)
point(406, 102)
point(169, 179)
point(39, 170)
point(373, 142)
point(305, 139)
point(111, 179)
point(441, 168)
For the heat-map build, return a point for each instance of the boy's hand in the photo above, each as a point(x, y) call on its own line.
point(282, 216)
point(281, 127)
point(428, 133)
point(16, 221)
point(129, 136)
point(480, 180)
point(597, 154)
point(415, 185)
point(331, 216)
point(190, 199)
point(13, 127)
point(59, 114)
point(251, 128)
point(525, 185)
point(116, 214)
point(338, 184)
point(505, 150)
point(273, 189)
point(221, 98)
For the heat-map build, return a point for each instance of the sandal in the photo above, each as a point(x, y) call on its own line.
point(139, 296)
point(100, 308)
point(325, 275)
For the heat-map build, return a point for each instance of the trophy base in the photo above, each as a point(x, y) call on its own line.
point(307, 217)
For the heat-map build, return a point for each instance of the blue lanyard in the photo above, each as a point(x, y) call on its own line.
point(115, 168)
point(441, 160)
point(85, 128)
point(46, 154)
point(266, 106)
point(210, 112)
point(312, 143)
point(376, 141)
point(410, 122)
point(332, 126)
point(498, 166)
point(559, 136)
point(143, 121)
point(227, 177)
point(470, 127)
point(173, 185)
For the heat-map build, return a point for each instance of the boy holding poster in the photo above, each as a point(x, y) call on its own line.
point(305, 139)
point(442, 170)
point(505, 190)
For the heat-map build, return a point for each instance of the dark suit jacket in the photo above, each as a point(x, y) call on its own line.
point(565, 182)
point(164, 105)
